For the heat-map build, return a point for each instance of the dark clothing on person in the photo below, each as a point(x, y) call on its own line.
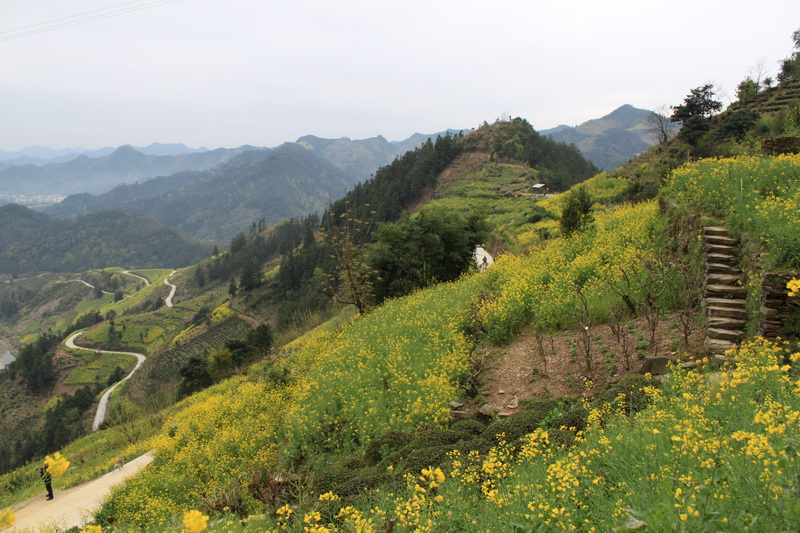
point(48, 481)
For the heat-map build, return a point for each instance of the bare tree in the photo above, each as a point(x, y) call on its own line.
point(347, 236)
point(660, 126)
point(586, 339)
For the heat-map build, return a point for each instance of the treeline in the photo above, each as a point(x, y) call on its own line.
point(33, 242)
point(62, 425)
point(560, 165)
point(394, 187)
point(257, 248)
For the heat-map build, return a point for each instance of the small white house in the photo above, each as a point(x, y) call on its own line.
point(540, 188)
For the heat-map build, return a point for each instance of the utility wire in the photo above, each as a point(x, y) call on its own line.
point(96, 14)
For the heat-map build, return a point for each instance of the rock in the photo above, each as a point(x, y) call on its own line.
point(722, 268)
point(715, 231)
point(722, 322)
point(461, 415)
point(717, 346)
point(725, 259)
point(721, 291)
point(723, 334)
point(721, 249)
point(655, 366)
point(727, 312)
point(720, 240)
point(456, 405)
point(717, 278)
point(487, 409)
point(730, 303)
point(513, 404)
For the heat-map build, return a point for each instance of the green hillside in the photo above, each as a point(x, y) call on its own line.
point(216, 204)
point(33, 242)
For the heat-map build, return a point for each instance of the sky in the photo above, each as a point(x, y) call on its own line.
point(213, 73)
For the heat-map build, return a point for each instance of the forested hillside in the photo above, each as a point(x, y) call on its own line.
point(213, 206)
point(33, 242)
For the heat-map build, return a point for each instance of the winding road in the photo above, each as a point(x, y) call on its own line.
point(173, 288)
point(100, 415)
point(146, 281)
point(85, 283)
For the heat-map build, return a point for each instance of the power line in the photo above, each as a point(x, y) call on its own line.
point(96, 14)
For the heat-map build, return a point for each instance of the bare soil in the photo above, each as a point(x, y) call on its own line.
point(554, 365)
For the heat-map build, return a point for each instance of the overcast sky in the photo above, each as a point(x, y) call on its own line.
point(219, 73)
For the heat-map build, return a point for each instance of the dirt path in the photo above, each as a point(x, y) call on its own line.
point(72, 507)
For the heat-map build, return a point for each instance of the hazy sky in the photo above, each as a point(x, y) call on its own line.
point(226, 73)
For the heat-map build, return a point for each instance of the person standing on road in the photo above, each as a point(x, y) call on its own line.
point(47, 478)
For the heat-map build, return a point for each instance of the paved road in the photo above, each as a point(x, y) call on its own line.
point(173, 288)
point(72, 507)
point(128, 272)
point(85, 283)
point(100, 415)
point(482, 258)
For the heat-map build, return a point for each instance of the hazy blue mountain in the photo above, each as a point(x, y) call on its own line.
point(42, 155)
point(609, 141)
point(99, 174)
point(362, 157)
point(215, 204)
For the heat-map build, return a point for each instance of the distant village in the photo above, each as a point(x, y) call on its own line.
point(30, 200)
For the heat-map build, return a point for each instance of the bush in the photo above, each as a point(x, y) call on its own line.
point(385, 444)
point(632, 387)
point(470, 425)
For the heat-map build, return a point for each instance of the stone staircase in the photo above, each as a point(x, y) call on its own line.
point(723, 291)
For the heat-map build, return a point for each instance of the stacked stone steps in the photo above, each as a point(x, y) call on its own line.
point(723, 291)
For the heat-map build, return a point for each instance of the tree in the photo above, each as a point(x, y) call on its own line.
point(346, 235)
point(232, 288)
point(435, 246)
point(695, 112)
point(699, 103)
point(660, 126)
point(736, 124)
point(790, 67)
point(577, 213)
point(747, 90)
point(251, 276)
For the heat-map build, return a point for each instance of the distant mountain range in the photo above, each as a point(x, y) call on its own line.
point(609, 141)
point(362, 157)
point(215, 204)
point(95, 175)
point(42, 155)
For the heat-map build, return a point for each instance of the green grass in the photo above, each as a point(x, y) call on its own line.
point(99, 370)
point(758, 197)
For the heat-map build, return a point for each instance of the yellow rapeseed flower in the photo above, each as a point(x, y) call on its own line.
point(7, 518)
point(195, 521)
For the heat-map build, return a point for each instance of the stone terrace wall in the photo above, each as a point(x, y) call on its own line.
point(780, 145)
